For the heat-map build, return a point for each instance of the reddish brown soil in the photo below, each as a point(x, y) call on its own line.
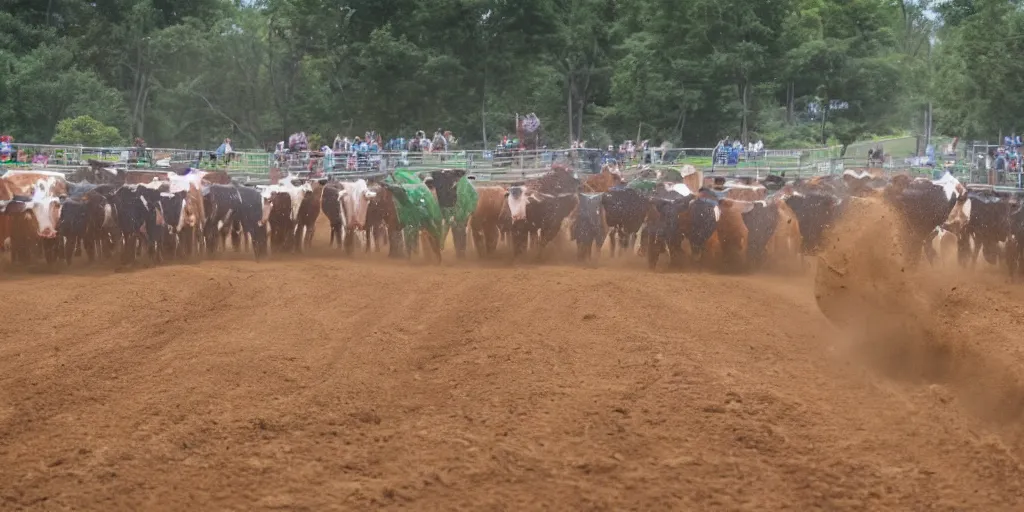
point(331, 384)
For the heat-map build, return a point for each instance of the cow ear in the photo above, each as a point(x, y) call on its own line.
point(429, 182)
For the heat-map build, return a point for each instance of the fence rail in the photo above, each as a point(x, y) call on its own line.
point(487, 166)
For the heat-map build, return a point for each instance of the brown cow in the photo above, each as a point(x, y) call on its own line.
point(728, 244)
point(135, 177)
point(609, 177)
point(484, 222)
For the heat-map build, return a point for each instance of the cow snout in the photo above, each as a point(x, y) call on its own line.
point(48, 233)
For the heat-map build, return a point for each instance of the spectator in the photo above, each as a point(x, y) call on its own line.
point(328, 158)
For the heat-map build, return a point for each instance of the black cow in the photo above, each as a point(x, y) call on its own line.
point(535, 216)
point(172, 207)
point(588, 227)
point(700, 221)
point(335, 213)
point(815, 211)
point(1015, 243)
point(983, 216)
point(444, 183)
point(82, 221)
point(761, 221)
point(663, 229)
point(923, 206)
point(624, 209)
point(774, 183)
point(229, 204)
point(140, 221)
point(545, 213)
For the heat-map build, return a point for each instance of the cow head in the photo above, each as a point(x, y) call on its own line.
point(444, 183)
point(588, 209)
point(663, 217)
point(517, 199)
point(355, 199)
point(42, 206)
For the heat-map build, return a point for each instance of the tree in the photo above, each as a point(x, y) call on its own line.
point(86, 131)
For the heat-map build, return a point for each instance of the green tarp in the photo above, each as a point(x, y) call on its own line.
point(643, 185)
point(417, 209)
point(465, 204)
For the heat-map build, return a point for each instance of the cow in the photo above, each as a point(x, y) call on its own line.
point(419, 215)
point(609, 177)
point(309, 211)
point(982, 217)
point(331, 206)
point(189, 230)
point(140, 220)
point(536, 215)
point(484, 224)
point(923, 206)
point(136, 177)
point(355, 199)
point(173, 210)
point(863, 183)
point(663, 230)
point(699, 223)
point(249, 207)
point(816, 210)
point(83, 220)
point(624, 210)
point(740, 191)
point(945, 246)
point(33, 209)
point(454, 216)
point(382, 221)
point(286, 200)
point(1015, 243)
point(774, 183)
point(588, 225)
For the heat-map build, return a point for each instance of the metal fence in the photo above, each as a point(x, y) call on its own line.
point(498, 165)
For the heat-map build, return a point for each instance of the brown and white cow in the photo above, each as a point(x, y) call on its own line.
point(32, 202)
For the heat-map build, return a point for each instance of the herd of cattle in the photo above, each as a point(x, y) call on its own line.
point(726, 223)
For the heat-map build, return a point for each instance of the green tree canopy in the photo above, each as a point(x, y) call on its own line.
point(86, 131)
point(793, 72)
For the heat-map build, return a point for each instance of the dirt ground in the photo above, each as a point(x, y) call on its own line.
point(325, 383)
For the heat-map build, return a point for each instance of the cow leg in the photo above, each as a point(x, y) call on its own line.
point(491, 235)
point(350, 241)
point(963, 249)
point(435, 246)
point(654, 247)
point(645, 240)
point(69, 248)
point(91, 245)
point(236, 235)
point(459, 239)
point(611, 241)
point(395, 244)
point(479, 243)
